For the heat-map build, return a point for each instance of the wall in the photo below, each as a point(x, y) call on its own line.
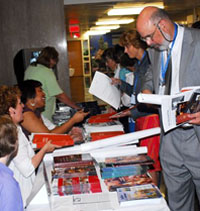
point(32, 24)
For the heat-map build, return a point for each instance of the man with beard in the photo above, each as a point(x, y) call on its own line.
point(176, 47)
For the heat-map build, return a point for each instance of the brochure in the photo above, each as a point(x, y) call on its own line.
point(102, 88)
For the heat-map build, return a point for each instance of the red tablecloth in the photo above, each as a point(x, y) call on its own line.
point(152, 143)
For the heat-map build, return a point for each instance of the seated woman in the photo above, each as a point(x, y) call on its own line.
point(10, 195)
point(34, 100)
point(26, 161)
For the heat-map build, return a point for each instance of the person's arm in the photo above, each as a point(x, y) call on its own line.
point(35, 125)
point(37, 158)
point(123, 86)
point(146, 91)
point(65, 99)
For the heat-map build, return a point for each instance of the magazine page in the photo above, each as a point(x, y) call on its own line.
point(175, 108)
point(102, 88)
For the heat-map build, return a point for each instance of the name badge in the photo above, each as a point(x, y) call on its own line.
point(133, 100)
point(161, 90)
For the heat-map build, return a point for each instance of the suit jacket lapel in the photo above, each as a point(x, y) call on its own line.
point(186, 54)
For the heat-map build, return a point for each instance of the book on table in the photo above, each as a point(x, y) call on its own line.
point(139, 194)
point(101, 135)
point(76, 185)
point(40, 139)
point(65, 161)
point(103, 127)
point(128, 160)
point(74, 174)
point(127, 181)
point(121, 171)
point(100, 118)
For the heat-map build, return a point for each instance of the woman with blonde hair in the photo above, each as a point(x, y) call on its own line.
point(136, 48)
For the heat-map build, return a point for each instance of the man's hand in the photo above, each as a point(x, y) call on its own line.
point(195, 118)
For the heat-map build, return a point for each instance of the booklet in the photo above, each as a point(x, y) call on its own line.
point(175, 108)
point(102, 88)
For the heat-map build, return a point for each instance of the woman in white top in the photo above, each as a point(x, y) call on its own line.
point(26, 161)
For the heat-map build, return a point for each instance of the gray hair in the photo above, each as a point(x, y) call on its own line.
point(158, 15)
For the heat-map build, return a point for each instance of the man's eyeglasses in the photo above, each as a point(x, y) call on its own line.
point(150, 36)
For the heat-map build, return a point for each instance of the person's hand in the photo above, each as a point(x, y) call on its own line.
point(77, 134)
point(195, 118)
point(111, 110)
point(115, 81)
point(49, 147)
point(79, 116)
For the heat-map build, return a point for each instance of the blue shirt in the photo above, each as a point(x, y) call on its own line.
point(10, 195)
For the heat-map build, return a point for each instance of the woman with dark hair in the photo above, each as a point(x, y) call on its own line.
point(33, 98)
point(42, 70)
point(26, 161)
point(10, 195)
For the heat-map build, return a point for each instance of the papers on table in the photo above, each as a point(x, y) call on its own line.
point(102, 88)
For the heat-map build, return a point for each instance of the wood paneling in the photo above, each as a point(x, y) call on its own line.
point(75, 57)
point(77, 90)
point(75, 61)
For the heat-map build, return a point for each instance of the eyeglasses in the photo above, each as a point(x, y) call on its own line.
point(150, 36)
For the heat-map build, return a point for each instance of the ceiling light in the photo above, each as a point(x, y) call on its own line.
point(108, 27)
point(114, 21)
point(133, 10)
point(96, 32)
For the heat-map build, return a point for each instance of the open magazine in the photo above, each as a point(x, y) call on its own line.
point(175, 109)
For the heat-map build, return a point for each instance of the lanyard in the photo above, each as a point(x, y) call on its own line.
point(137, 74)
point(165, 66)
